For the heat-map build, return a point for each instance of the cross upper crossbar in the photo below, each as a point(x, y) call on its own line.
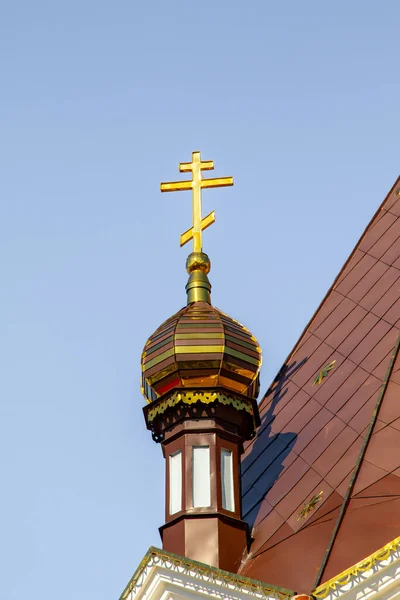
point(196, 184)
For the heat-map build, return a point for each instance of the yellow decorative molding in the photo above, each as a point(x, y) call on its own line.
point(206, 397)
point(364, 565)
point(156, 557)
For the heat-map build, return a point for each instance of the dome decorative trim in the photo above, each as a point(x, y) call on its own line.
point(208, 397)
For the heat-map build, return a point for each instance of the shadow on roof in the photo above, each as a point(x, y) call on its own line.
point(265, 462)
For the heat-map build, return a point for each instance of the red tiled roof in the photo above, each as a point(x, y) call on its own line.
point(322, 437)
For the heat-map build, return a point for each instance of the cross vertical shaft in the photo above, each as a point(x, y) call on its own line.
point(196, 202)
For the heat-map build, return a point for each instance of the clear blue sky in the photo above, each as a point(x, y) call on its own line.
point(99, 102)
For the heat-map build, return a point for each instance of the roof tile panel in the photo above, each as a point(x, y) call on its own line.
point(392, 253)
point(322, 440)
point(299, 494)
point(369, 342)
point(381, 246)
point(343, 486)
point(358, 334)
point(328, 459)
point(383, 348)
point(396, 263)
point(352, 394)
point(264, 471)
point(396, 424)
point(383, 449)
point(351, 263)
point(392, 197)
point(276, 401)
point(369, 474)
point(381, 369)
point(390, 410)
point(336, 317)
point(346, 463)
point(300, 419)
point(335, 379)
point(358, 292)
point(356, 274)
point(395, 208)
point(362, 418)
point(311, 367)
point(377, 231)
point(387, 301)
point(380, 288)
point(327, 307)
point(287, 481)
point(266, 529)
point(312, 428)
point(346, 326)
point(393, 314)
point(263, 512)
point(274, 422)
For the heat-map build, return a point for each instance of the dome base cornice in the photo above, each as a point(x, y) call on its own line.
point(215, 403)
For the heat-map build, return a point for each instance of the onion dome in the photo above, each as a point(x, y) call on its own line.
point(200, 347)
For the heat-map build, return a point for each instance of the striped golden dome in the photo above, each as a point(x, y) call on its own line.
point(200, 347)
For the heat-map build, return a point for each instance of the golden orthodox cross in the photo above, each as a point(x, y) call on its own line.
point(196, 184)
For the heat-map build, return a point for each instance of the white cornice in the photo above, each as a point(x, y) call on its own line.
point(163, 576)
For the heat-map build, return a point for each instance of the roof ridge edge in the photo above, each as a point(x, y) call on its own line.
point(332, 287)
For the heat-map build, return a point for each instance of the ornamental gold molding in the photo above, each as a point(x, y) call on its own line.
point(205, 397)
point(361, 567)
point(200, 571)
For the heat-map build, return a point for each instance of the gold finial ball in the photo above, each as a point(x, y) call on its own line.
point(198, 261)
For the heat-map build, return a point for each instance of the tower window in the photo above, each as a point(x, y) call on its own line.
point(201, 477)
point(228, 495)
point(175, 482)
